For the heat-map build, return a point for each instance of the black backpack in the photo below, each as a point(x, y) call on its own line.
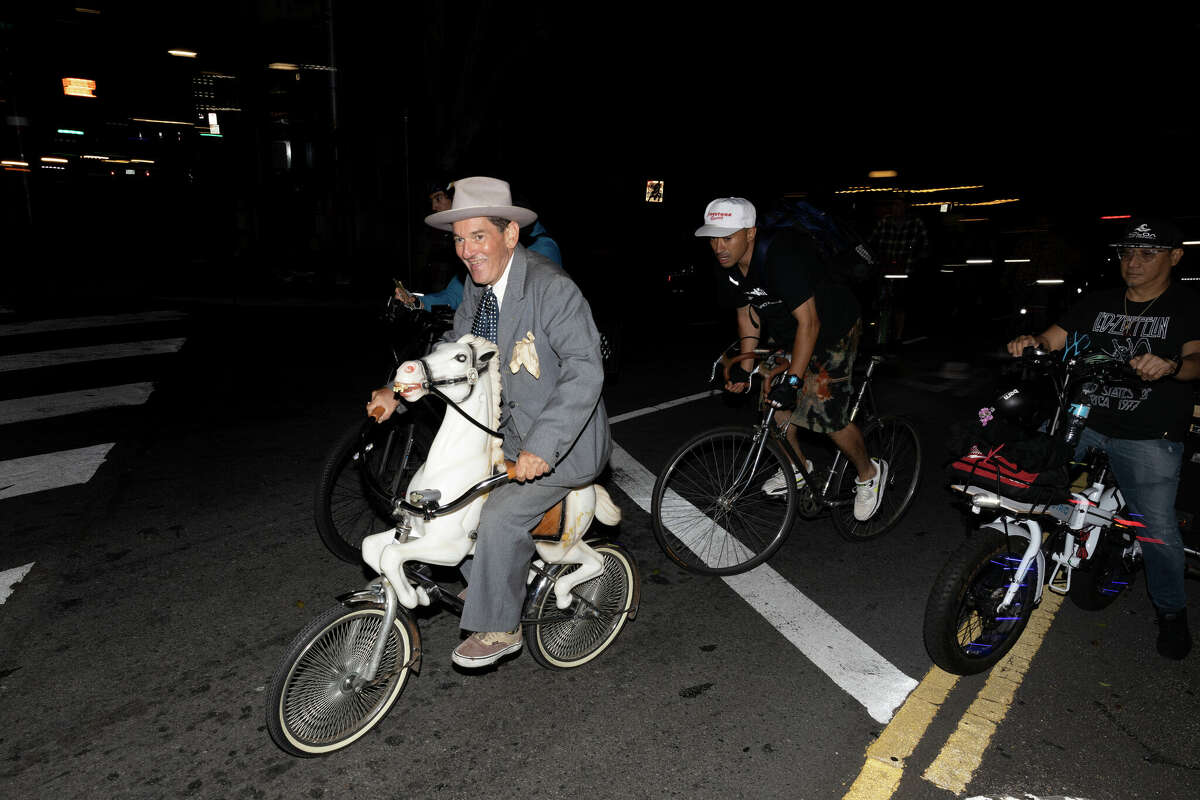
point(841, 246)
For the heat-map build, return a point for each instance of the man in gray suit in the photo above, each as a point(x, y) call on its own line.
point(554, 425)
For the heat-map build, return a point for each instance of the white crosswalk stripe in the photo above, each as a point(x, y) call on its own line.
point(79, 323)
point(10, 578)
point(77, 355)
point(22, 418)
point(38, 473)
point(46, 406)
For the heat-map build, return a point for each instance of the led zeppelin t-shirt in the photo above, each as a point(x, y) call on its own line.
point(1105, 322)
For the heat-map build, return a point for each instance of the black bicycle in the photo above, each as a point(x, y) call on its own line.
point(371, 462)
point(712, 514)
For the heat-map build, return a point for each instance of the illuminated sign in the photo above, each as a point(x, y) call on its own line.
point(654, 191)
point(79, 87)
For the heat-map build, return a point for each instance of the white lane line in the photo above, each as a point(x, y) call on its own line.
point(79, 323)
point(101, 352)
point(662, 406)
point(39, 473)
point(46, 406)
point(10, 578)
point(849, 661)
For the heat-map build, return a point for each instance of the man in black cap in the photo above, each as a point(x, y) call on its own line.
point(1152, 323)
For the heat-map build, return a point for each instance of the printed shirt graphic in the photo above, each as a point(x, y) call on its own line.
point(794, 271)
point(1099, 323)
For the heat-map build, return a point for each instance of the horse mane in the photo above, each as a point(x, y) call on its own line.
point(480, 345)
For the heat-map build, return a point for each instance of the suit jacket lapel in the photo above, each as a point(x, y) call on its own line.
point(513, 306)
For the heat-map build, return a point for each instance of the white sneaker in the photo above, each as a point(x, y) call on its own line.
point(774, 485)
point(867, 494)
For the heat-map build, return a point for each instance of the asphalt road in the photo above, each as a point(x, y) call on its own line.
point(135, 652)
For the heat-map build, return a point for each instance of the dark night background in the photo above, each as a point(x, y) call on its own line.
point(577, 106)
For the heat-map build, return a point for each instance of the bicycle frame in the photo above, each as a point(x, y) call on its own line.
point(864, 396)
point(1085, 520)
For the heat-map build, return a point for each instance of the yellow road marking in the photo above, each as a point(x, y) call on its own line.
point(884, 766)
point(963, 752)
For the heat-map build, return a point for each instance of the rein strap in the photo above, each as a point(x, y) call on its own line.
point(436, 392)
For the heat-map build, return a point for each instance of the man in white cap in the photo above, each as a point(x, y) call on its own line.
point(554, 425)
point(781, 288)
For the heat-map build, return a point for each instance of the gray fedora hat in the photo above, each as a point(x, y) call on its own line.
point(480, 197)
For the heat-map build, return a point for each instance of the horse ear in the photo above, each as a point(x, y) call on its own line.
point(485, 356)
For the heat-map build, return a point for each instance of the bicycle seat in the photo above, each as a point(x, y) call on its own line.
point(551, 526)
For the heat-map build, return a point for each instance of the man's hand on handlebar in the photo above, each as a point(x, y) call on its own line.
point(407, 298)
point(1150, 367)
point(1017, 346)
point(529, 466)
point(739, 380)
point(382, 404)
point(783, 396)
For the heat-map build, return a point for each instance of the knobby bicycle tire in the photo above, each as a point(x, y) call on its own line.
point(965, 632)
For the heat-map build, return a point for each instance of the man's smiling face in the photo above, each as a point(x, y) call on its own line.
point(484, 248)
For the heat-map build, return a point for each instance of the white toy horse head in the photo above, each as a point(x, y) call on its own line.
point(455, 369)
point(467, 450)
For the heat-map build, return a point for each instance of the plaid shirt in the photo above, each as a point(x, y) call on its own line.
point(901, 241)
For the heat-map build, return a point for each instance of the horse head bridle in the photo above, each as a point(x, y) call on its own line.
point(471, 377)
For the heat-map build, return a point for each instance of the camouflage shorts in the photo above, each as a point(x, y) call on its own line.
point(823, 404)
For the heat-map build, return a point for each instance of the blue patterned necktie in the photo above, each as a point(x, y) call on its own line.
point(487, 317)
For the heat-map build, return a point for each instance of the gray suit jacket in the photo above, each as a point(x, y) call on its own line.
point(559, 416)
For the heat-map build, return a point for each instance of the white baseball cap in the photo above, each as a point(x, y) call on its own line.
point(727, 215)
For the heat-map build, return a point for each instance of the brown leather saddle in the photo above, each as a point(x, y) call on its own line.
point(552, 525)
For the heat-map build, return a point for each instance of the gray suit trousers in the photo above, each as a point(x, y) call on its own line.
point(496, 582)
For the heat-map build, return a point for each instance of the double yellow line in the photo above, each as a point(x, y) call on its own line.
point(962, 753)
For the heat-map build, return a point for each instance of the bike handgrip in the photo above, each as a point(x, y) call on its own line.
point(511, 468)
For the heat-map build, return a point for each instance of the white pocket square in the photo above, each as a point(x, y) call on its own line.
point(524, 354)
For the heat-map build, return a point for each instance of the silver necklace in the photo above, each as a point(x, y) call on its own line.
point(1125, 299)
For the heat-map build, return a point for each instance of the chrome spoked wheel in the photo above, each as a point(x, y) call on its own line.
point(571, 638)
point(318, 700)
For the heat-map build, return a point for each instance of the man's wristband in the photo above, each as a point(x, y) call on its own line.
point(1178, 360)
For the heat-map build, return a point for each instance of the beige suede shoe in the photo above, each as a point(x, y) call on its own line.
point(481, 649)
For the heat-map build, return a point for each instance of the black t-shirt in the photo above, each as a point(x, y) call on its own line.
point(792, 272)
point(1105, 322)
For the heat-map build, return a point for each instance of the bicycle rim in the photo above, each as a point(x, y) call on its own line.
point(318, 711)
point(710, 512)
point(895, 440)
point(565, 639)
point(982, 629)
point(355, 494)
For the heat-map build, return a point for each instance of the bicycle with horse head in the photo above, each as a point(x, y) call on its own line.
point(343, 673)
